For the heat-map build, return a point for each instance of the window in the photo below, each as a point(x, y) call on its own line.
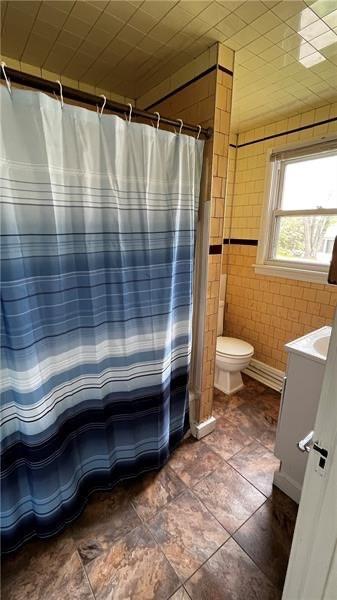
point(300, 222)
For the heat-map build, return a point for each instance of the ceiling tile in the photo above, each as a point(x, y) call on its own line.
point(51, 14)
point(213, 14)
point(69, 40)
point(312, 59)
point(331, 19)
point(302, 19)
point(149, 45)
point(231, 25)
point(293, 41)
point(86, 12)
point(324, 40)
point(37, 49)
point(304, 49)
point(243, 37)
point(266, 22)
point(155, 9)
point(279, 33)
point(130, 46)
point(285, 9)
point(109, 23)
point(45, 30)
point(76, 26)
point(28, 8)
point(78, 65)
point(323, 7)
point(249, 11)
point(57, 59)
point(142, 21)
point(130, 35)
point(123, 10)
point(63, 5)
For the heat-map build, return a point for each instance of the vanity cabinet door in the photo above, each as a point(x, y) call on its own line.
point(297, 413)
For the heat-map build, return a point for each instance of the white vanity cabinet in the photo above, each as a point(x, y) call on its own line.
point(299, 402)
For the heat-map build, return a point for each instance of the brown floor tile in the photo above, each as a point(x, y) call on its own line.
point(224, 406)
point(133, 567)
point(193, 460)
point(254, 410)
point(152, 491)
point(187, 533)
point(107, 516)
point(257, 464)
point(267, 536)
point(230, 575)
point(45, 570)
point(227, 439)
point(229, 497)
point(181, 594)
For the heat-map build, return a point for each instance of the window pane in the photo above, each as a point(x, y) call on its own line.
point(305, 239)
point(310, 183)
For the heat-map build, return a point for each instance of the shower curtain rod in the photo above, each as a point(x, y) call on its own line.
point(45, 85)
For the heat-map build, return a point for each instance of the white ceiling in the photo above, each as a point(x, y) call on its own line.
point(286, 51)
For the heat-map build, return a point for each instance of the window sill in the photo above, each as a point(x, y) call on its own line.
point(292, 273)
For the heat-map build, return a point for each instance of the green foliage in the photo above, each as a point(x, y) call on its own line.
point(301, 237)
point(291, 238)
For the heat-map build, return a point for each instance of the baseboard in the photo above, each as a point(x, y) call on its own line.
point(199, 430)
point(270, 376)
point(288, 486)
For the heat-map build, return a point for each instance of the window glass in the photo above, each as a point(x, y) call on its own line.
point(305, 238)
point(310, 184)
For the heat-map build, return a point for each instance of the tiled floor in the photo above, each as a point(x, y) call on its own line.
point(208, 526)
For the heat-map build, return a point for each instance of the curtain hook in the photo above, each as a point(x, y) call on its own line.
point(130, 111)
point(61, 92)
point(103, 105)
point(199, 130)
point(8, 83)
point(181, 125)
point(158, 118)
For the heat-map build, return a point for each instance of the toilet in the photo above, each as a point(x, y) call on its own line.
point(232, 356)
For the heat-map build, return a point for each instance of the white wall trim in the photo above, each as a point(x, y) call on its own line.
point(288, 485)
point(292, 273)
point(266, 374)
point(199, 430)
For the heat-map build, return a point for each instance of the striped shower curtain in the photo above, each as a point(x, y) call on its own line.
point(98, 229)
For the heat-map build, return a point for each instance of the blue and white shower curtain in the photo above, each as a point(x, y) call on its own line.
point(98, 230)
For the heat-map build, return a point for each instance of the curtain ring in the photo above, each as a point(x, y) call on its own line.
point(8, 83)
point(158, 118)
point(103, 105)
point(130, 111)
point(199, 130)
point(181, 125)
point(61, 92)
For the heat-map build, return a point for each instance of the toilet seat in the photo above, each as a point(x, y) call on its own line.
point(233, 347)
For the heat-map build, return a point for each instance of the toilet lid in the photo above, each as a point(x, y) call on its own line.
point(233, 347)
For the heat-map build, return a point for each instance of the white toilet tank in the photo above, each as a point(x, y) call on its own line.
point(221, 312)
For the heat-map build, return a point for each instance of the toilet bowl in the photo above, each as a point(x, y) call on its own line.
point(232, 356)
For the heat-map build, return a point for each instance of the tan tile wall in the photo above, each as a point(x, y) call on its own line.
point(268, 312)
point(208, 102)
point(251, 162)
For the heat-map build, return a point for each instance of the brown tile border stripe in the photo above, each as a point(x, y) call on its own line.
point(224, 70)
point(185, 85)
point(215, 249)
point(276, 135)
point(240, 242)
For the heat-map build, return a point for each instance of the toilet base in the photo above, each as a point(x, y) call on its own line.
point(228, 382)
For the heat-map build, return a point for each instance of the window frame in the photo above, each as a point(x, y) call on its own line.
point(275, 170)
